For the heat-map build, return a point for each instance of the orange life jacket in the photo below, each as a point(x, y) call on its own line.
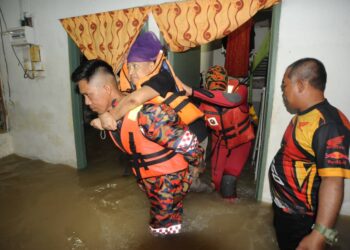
point(186, 110)
point(149, 159)
point(231, 126)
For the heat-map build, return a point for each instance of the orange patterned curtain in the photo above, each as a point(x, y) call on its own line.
point(106, 35)
point(185, 25)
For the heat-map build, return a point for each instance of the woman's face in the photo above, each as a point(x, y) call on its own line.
point(138, 70)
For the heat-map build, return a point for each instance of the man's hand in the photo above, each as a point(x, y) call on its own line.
point(96, 123)
point(107, 121)
point(312, 241)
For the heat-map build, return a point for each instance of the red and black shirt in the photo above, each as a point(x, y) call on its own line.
point(315, 145)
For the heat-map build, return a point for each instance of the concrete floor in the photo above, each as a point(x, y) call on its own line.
point(46, 206)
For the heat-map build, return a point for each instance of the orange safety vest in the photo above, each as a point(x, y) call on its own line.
point(149, 159)
point(186, 110)
point(231, 126)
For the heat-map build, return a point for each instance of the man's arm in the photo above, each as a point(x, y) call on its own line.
point(331, 147)
point(330, 200)
point(217, 97)
point(221, 98)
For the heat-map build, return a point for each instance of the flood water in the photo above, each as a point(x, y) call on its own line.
point(47, 206)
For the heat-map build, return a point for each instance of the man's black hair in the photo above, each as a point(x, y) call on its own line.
point(311, 70)
point(89, 68)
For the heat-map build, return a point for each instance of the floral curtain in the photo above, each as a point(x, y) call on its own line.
point(107, 35)
point(185, 25)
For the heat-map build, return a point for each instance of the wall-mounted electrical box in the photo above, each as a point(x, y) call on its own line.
point(21, 35)
point(32, 62)
point(23, 41)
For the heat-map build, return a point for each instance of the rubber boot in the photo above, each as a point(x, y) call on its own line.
point(228, 188)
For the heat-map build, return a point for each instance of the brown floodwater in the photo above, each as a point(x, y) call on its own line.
point(47, 206)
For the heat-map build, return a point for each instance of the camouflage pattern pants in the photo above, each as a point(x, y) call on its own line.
point(166, 194)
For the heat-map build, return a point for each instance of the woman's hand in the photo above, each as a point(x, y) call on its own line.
point(96, 123)
point(107, 121)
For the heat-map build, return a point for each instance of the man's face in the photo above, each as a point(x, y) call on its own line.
point(138, 70)
point(96, 94)
point(290, 94)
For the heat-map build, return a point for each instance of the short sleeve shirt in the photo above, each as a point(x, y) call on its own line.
point(315, 145)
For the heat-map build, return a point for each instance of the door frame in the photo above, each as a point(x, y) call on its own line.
point(77, 108)
point(74, 61)
point(270, 88)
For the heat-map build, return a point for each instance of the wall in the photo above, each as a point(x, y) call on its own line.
point(314, 28)
point(40, 112)
point(6, 146)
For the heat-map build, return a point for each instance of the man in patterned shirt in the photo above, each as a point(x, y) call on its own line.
point(160, 146)
point(307, 174)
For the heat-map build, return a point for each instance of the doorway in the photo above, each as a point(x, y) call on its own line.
point(261, 67)
point(79, 128)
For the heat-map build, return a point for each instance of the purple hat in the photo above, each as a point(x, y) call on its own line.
point(145, 48)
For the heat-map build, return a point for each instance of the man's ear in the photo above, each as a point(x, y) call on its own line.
point(301, 85)
point(108, 88)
